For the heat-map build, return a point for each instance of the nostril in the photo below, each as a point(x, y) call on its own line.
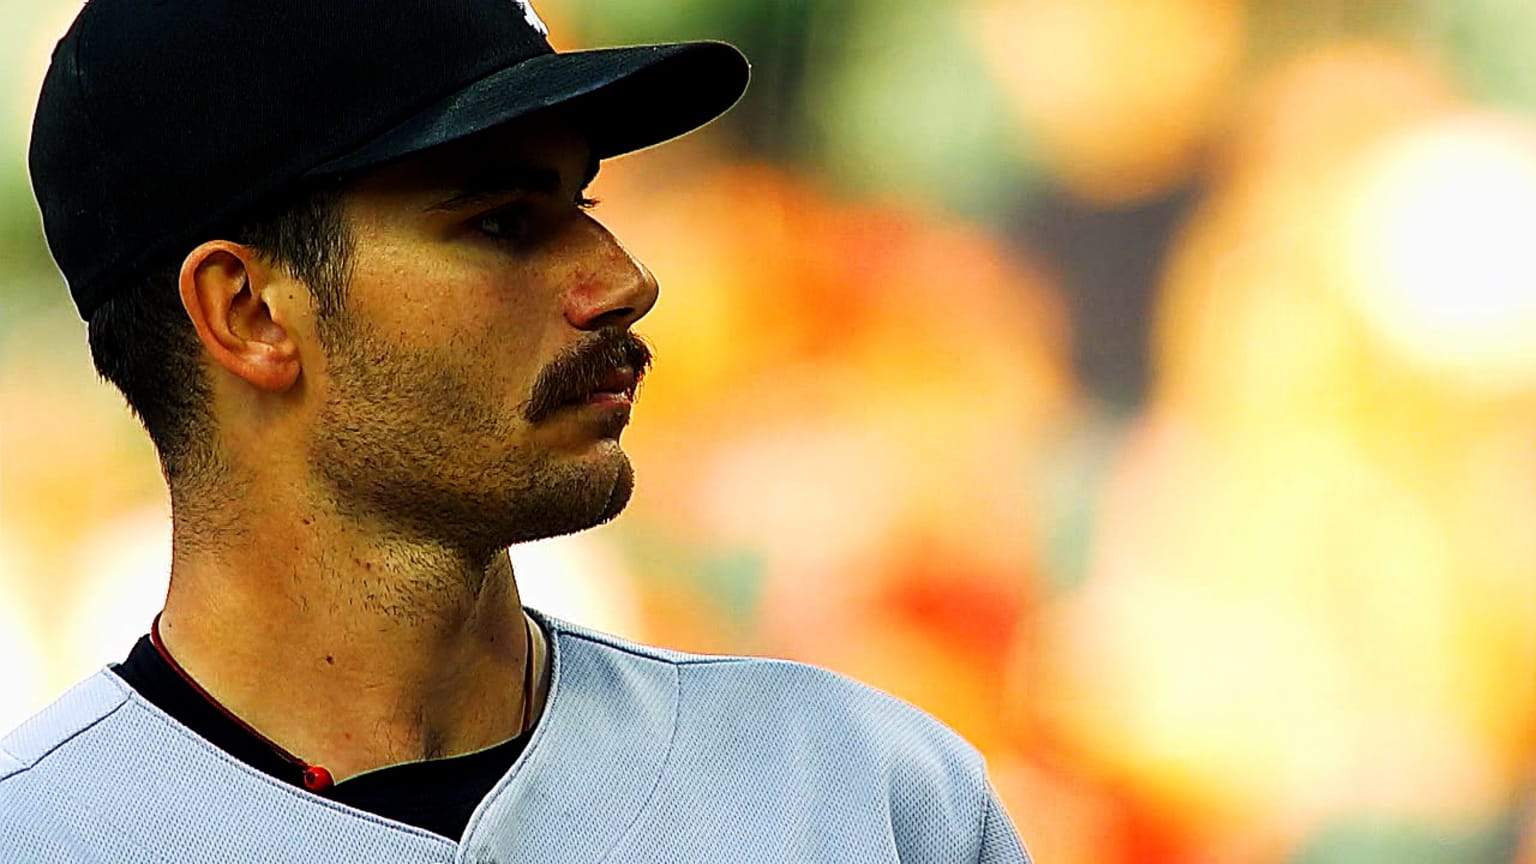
point(620, 317)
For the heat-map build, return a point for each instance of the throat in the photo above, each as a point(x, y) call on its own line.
point(357, 680)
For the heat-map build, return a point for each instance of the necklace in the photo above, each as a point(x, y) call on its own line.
point(315, 777)
point(522, 726)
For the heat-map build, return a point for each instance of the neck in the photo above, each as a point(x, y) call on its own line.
point(350, 648)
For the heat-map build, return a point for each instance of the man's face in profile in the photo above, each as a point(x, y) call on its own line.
point(476, 383)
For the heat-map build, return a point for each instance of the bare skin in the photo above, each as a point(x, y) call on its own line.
point(343, 584)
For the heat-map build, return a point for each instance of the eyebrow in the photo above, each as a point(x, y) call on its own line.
point(505, 179)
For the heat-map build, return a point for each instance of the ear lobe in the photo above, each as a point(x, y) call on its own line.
point(220, 287)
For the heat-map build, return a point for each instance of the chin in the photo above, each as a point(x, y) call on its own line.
point(623, 488)
point(573, 499)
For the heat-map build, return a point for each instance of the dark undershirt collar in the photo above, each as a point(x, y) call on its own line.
point(438, 795)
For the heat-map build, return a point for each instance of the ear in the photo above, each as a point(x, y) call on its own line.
point(224, 290)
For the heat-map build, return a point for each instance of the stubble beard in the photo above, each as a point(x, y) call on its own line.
point(417, 444)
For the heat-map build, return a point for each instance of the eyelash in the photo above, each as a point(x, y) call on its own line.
point(518, 212)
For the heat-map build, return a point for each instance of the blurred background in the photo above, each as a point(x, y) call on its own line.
point(1145, 388)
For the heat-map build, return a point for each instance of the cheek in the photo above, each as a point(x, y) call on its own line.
point(501, 348)
point(506, 334)
point(425, 305)
point(496, 324)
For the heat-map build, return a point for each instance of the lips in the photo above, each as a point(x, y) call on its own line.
point(615, 386)
point(604, 370)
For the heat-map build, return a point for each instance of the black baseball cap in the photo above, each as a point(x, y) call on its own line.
point(161, 120)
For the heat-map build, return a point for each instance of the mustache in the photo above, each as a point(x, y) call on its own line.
point(582, 368)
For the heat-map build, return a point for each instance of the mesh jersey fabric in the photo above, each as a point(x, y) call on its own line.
point(642, 756)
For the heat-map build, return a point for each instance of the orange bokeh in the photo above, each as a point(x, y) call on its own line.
point(1309, 598)
point(1121, 97)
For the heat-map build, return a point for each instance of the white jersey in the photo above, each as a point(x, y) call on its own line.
point(641, 756)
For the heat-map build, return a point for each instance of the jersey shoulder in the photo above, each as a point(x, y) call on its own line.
point(823, 708)
point(43, 764)
point(80, 708)
point(797, 744)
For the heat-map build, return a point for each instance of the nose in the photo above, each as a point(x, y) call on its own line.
point(610, 287)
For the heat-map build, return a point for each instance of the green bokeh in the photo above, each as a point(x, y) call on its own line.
point(913, 107)
point(1490, 45)
point(1390, 841)
point(870, 96)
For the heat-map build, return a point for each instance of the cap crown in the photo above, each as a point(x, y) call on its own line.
point(161, 119)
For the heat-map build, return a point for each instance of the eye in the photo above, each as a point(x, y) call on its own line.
point(512, 224)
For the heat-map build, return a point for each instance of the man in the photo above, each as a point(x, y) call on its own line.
point(336, 256)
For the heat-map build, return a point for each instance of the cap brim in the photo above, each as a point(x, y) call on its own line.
point(622, 99)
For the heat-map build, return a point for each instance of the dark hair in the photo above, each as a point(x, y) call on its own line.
point(143, 342)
